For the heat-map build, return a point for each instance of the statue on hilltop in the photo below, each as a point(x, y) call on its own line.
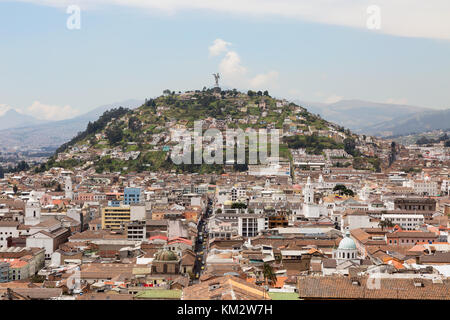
point(216, 78)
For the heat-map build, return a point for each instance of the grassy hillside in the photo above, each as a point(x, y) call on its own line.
point(124, 140)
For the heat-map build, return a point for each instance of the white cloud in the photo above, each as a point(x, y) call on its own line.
point(231, 67)
point(235, 74)
point(264, 79)
point(397, 101)
point(3, 109)
point(50, 112)
point(218, 47)
point(410, 18)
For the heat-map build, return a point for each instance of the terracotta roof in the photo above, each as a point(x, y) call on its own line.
point(225, 288)
point(438, 257)
point(36, 293)
point(339, 287)
point(10, 224)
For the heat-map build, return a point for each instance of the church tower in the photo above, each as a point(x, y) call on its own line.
point(68, 188)
point(32, 212)
point(364, 193)
point(308, 192)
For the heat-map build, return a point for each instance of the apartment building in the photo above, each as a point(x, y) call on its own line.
point(115, 217)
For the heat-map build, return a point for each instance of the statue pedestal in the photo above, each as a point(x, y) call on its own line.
point(217, 90)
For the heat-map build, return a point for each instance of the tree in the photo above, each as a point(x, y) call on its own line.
point(266, 93)
point(385, 224)
point(424, 140)
point(269, 274)
point(114, 135)
point(2, 173)
point(134, 124)
point(167, 92)
point(238, 205)
point(343, 190)
point(349, 146)
point(444, 137)
point(250, 93)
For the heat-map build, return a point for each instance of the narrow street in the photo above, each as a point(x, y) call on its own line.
point(201, 243)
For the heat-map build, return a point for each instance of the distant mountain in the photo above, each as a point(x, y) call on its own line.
point(13, 119)
point(415, 123)
point(55, 133)
point(358, 115)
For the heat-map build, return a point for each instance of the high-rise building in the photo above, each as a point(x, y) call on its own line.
point(132, 196)
point(115, 218)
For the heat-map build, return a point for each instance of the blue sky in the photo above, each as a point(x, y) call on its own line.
point(136, 51)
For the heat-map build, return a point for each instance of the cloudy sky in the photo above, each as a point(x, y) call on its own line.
point(322, 50)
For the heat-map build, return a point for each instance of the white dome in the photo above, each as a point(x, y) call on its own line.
point(347, 243)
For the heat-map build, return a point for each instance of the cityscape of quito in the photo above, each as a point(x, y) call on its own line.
point(335, 215)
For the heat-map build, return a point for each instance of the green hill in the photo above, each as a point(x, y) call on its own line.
point(124, 140)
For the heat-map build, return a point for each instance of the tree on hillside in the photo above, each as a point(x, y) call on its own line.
point(134, 124)
point(114, 135)
point(350, 146)
point(2, 173)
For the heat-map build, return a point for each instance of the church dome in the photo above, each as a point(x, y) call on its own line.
point(165, 255)
point(347, 243)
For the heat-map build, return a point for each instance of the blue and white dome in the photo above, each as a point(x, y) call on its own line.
point(347, 243)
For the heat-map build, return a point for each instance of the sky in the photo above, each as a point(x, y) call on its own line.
point(322, 51)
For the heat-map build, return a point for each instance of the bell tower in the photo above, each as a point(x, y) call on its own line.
point(68, 188)
point(32, 212)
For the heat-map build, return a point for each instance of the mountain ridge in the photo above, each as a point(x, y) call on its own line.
point(55, 133)
point(374, 118)
point(12, 119)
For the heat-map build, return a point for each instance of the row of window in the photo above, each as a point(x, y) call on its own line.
point(345, 255)
point(408, 241)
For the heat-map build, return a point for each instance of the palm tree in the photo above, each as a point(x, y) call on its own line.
point(269, 274)
point(385, 224)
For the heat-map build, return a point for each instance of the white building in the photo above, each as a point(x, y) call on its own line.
point(424, 187)
point(310, 209)
point(346, 251)
point(8, 229)
point(405, 221)
point(355, 220)
point(68, 188)
point(251, 225)
point(32, 212)
point(445, 186)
